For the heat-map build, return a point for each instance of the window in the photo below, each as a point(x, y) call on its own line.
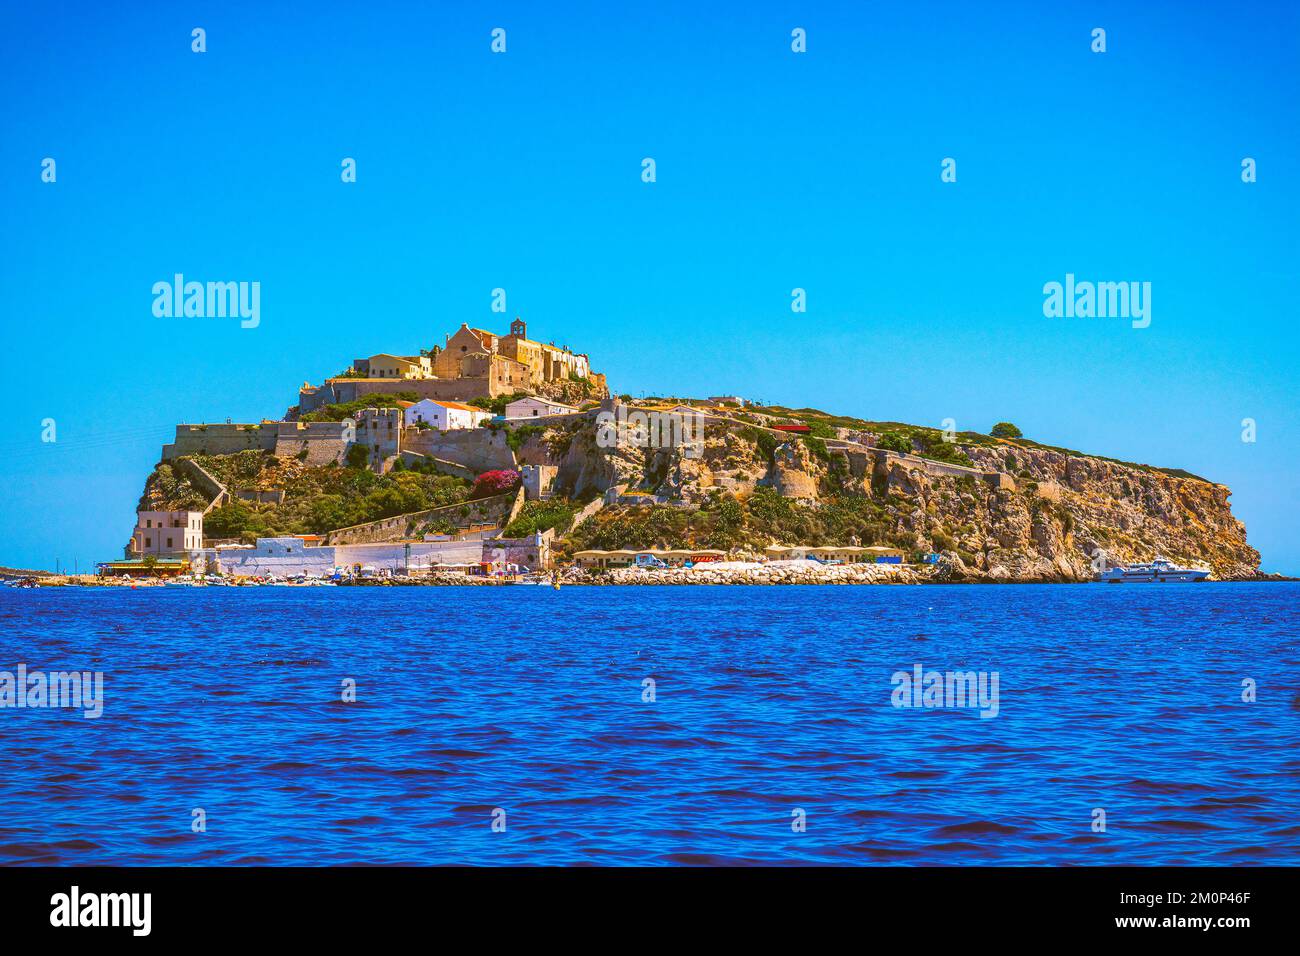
point(169, 542)
point(534, 412)
point(148, 542)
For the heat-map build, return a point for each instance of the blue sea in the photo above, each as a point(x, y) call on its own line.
point(771, 738)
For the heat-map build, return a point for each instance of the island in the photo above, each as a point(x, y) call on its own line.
point(497, 456)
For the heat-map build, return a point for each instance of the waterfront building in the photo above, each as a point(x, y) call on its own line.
point(166, 532)
point(159, 568)
point(848, 554)
point(625, 557)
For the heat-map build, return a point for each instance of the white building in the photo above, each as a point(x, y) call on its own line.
point(167, 532)
point(444, 415)
point(298, 555)
point(537, 408)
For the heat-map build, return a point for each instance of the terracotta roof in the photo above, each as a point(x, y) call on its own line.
point(462, 406)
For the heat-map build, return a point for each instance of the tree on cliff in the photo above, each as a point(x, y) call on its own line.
point(1006, 430)
point(358, 455)
point(496, 405)
point(894, 441)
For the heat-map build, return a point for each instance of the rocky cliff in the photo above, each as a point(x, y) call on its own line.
point(1017, 511)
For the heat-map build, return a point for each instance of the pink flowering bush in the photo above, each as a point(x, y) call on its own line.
point(494, 483)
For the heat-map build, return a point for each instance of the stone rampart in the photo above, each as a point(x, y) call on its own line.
point(466, 514)
point(474, 449)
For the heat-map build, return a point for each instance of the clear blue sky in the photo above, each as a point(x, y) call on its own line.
point(775, 171)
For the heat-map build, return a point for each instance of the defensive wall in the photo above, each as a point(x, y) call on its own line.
point(336, 391)
point(862, 458)
point(318, 442)
point(494, 511)
point(475, 449)
point(202, 480)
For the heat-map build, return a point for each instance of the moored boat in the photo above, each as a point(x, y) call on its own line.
point(1159, 571)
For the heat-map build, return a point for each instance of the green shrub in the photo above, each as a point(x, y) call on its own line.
point(316, 499)
point(817, 446)
point(496, 406)
point(358, 455)
point(893, 441)
point(516, 437)
point(234, 519)
point(727, 522)
point(763, 439)
point(542, 516)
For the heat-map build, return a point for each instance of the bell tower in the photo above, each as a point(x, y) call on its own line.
point(519, 327)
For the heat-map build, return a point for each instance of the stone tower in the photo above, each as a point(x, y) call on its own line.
point(519, 327)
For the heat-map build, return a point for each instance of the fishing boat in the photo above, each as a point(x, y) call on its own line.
point(1160, 570)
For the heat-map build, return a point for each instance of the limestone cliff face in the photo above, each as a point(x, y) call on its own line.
point(1063, 510)
point(1081, 504)
point(1045, 520)
point(574, 391)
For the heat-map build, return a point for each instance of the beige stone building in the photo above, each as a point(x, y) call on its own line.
point(384, 365)
point(522, 361)
point(472, 363)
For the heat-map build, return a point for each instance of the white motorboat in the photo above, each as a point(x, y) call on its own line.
point(1158, 571)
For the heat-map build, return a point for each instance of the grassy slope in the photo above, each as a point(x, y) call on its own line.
point(317, 499)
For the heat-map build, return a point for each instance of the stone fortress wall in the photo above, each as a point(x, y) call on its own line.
point(478, 449)
point(336, 391)
point(494, 511)
point(322, 442)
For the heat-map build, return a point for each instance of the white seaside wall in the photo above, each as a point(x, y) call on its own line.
point(286, 556)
